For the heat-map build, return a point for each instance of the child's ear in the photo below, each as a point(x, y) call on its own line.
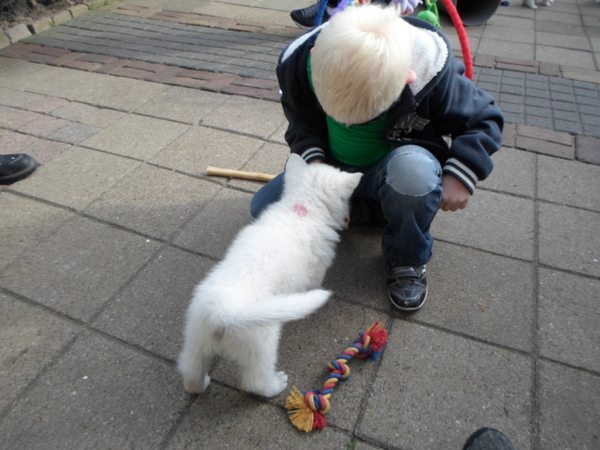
point(412, 76)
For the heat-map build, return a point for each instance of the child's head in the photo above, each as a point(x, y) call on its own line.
point(360, 62)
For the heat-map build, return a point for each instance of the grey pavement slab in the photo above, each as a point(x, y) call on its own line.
point(512, 173)
point(76, 177)
point(494, 222)
point(136, 136)
point(182, 104)
point(200, 147)
point(150, 312)
point(269, 159)
point(206, 234)
point(153, 201)
point(568, 313)
point(246, 115)
point(569, 399)
point(225, 409)
point(567, 239)
point(31, 221)
point(79, 268)
point(111, 397)
point(481, 295)
point(437, 388)
point(31, 340)
point(358, 272)
point(114, 92)
point(569, 183)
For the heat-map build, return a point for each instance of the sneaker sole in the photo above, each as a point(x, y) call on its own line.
point(416, 308)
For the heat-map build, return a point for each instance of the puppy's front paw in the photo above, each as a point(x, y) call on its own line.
point(275, 386)
point(194, 386)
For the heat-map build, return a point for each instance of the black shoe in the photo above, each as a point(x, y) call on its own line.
point(488, 439)
point(16, 167)
point(407, 287)
point(307, 17)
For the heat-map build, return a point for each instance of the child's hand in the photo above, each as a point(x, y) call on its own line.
point(455, 195)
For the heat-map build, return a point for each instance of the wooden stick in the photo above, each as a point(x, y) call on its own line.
point(216, 171)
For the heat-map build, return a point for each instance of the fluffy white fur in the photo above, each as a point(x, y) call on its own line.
point(360, 62)
point(531, 3)
point(271, 274)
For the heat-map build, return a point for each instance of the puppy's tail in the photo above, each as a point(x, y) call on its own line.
point(280, 308)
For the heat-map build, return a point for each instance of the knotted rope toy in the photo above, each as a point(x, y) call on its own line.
point(307, 409)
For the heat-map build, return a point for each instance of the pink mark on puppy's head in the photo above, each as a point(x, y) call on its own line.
point(300, 210)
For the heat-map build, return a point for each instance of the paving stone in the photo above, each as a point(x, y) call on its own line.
point(358, 271)
point(494, 222)
point(45, 151)
point(103, 400)
point(74, 133)
point(73, 111)
point(136, 136)
point(76, 177)
point(206, 233)
point(569, 182)
point(231, 116)
point(182, 104)
point(43, 126)
point(424, 404)
point(46, 104)
point(17, 99)
point(25, 224)
point(65, 261)
point(269, 159)
point(17, 33)
point(17, 119)
point(201, 147)
point(568, 312)
point(224, 407)
point(587, 149)
point(153, 201)
point(31, 339)
point(567, 239)
point(150, 312)
point(569, 402)
point(12, 142)
point(485, 307)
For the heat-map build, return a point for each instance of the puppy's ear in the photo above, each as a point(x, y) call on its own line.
point(294, 164)
point(353, 180)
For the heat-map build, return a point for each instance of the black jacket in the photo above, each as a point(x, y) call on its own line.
point(449, 104)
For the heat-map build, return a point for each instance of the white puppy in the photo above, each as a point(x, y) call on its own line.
point(270, 275)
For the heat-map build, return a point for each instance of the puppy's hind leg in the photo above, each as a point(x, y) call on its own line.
point(194, 362)
point(258, 365)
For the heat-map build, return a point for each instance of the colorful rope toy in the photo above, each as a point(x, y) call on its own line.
point(307, 409)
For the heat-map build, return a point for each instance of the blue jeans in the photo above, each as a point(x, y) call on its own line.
point(407, 183)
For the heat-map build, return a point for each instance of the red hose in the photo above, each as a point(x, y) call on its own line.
point(462, 36)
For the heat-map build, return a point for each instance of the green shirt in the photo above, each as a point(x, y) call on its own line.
point(356, 145)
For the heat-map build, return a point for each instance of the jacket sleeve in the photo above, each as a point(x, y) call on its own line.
point(473, 121)
point(307, 130)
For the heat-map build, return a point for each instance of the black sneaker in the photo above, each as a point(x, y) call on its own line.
point(16, 167)
point(307, 17)
point(407, 287)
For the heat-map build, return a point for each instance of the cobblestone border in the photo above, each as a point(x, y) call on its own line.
point(224, 83)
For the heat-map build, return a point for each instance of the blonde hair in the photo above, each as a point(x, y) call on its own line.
point(360, 62)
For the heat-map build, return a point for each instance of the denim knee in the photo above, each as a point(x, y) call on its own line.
point(413, 171)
